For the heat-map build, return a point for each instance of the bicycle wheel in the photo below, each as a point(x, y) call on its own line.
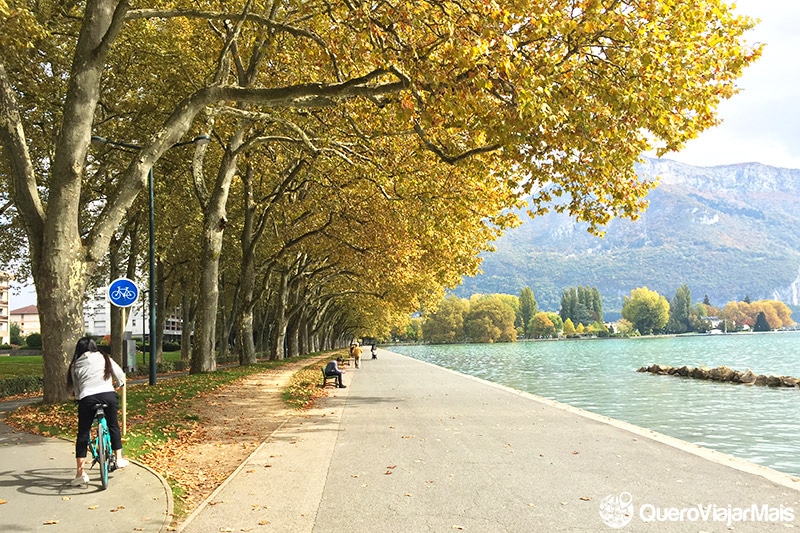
point(103, 452)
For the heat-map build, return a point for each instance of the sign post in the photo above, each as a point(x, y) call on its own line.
point(123, 292)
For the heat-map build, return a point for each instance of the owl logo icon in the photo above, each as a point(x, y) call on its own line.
point(617, 511)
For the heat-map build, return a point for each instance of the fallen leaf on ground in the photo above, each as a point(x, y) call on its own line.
point(50, 522)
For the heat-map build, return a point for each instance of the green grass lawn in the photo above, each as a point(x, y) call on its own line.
point(20, 365)
point(31, 365)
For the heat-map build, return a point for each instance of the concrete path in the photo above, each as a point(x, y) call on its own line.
point(35, 494)
point(410, 447)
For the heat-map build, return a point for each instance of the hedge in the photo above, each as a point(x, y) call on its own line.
point(20, 384)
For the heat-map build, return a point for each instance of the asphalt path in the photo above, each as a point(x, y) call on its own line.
point(411, 447)
point(36, 495)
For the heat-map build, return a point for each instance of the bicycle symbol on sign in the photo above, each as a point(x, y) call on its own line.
point(123, 293)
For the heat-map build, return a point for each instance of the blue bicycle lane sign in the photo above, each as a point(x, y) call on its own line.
point(123, 292)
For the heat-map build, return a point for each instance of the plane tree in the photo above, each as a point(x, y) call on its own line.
point(558, 99)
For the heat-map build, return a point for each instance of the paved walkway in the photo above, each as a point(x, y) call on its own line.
point(35, 494)
point(410, 447)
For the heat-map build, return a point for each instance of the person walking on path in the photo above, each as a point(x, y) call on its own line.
point(332, 369)
point(90, 376)
point(357, 354)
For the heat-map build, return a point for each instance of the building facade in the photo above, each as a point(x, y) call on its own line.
point(97, 318)
point(5, 317)
point(27, 318)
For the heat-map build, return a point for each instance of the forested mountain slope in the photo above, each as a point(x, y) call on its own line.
point(727, 232)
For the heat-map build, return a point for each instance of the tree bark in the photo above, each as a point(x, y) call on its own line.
point(161, 310)
point(214, 222)
point(278, 337)
point(187, 324)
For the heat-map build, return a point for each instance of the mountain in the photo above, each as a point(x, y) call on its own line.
point(726, 231)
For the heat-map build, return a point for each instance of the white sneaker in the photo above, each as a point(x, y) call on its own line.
point(83, 479)
point(122, 463)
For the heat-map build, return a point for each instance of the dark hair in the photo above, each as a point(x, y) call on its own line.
point(87, 344)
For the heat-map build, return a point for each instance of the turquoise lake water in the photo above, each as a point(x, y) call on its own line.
point(759, 424)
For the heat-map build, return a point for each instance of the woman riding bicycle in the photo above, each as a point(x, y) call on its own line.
point(90, 376)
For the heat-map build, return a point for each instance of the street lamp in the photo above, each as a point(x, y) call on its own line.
point(199, 140)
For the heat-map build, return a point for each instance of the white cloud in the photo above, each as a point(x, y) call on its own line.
point(761, 123)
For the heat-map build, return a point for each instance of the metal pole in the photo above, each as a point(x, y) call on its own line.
point(199, 140)
point(152, 295)
point(125, 312)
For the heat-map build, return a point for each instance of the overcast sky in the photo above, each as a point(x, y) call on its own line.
point(762, 123)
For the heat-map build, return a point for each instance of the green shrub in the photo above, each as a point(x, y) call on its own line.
point(231, 358)
point(34, 340)
point(180, 366)
point(170, 347)
point(144, 370)
point(20, 384)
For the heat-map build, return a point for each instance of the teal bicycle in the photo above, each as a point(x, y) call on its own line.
point(100, 446)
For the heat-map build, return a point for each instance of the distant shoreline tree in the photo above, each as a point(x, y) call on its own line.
point(679, 310)
point(446, 324)
point(761, 322)
point(528, 309)
point(583, 305)
point(490, 319)
point(543, 327)
point(647, 310)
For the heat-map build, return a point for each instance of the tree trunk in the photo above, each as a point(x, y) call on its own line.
point(204, 334)
point(247, 275)
point(244, 333)
point(278, 337)
point(61, 319)
point(187, 324)
point(214, 222)
point(161, 311)
point(292, 336)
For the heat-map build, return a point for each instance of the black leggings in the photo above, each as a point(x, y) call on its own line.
point(86, 409)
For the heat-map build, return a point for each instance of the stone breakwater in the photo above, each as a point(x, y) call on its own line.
point(723, 373)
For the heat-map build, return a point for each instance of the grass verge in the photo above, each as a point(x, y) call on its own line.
point(161, 415)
